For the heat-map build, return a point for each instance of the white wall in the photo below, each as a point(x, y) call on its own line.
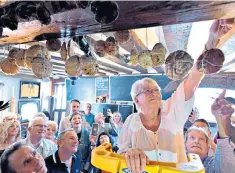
point(11, 81)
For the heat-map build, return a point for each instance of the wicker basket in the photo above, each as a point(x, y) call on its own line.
point(73, 66)
point(133, 56)
point(34, 52)
point(122, 37)
point(158, 54)
point(42, 67)
point(12, 53)
point(53, 45)
point(144, 59)
point(19, 56)
point(89, 65)
point(9, 66)
point(64, 52)
point(211, 61)
point(178, 65)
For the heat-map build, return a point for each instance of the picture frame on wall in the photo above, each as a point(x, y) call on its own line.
point(28, 108)
point(30, 90)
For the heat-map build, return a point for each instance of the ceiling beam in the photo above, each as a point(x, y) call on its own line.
point(140, 14)
point(228, 66)
point(92, 38)
point(108, 71)
point(159, 69)
point(100, 74)
point(227, 73)
point(105, 72)
point(137, 40)
point(60, 70)
point(114, 69)
point(58, 66)
point(22, 75)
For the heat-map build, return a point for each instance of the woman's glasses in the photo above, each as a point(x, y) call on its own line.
point(148, 91)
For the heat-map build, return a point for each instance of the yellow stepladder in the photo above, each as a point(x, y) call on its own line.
point(109, 162)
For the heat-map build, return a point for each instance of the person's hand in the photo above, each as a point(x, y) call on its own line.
point(222, 111)
point(221, 27)
point(110, 115)
point(92, 139)
point(218, 30)
point(136, 160)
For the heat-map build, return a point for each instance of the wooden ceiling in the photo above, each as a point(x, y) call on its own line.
point(75, 21)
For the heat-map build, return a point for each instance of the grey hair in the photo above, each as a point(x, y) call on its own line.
point(32, 121)
point(40, 114)
point(98, 115)
point(198, 129)
point(63, 133)
point(138, 85)
point(52, 123)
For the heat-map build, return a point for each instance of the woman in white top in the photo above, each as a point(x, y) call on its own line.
point(156, 131)
point(117, 119)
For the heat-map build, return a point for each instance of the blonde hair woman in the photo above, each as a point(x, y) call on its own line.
point(10, 132)
point(52, 128)
point(9, 116)
point(117, 119)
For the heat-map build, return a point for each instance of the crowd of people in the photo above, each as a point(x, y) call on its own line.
point(160, 130)
point(48, 148)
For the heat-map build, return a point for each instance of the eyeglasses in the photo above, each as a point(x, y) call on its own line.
point(148, 91)
point(40, 126)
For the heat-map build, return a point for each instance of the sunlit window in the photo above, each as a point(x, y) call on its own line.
point(60, 96)
point(27, 110)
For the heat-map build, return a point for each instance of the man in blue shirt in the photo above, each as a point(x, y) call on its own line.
point(90, 117)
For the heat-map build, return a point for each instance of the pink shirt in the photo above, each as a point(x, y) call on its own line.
point(167, 143)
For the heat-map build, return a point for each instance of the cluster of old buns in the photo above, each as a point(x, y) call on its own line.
point(110, 45)
point(37, 58)
point(177, 64)
point(76, 65)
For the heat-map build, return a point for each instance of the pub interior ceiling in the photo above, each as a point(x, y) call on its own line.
point(83, 38)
